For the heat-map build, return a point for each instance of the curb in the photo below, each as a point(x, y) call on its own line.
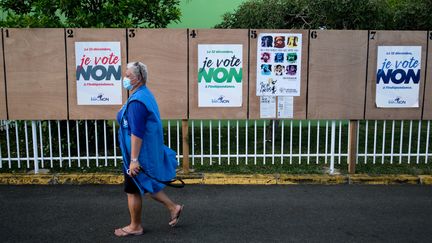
point(218, 179)
point(386, 179)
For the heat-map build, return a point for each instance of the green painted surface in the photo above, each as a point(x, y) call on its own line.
point(204, 13)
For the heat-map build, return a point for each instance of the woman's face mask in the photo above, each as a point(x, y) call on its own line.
point(127, 83)
point(127, 80)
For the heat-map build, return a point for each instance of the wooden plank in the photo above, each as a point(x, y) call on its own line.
point(36, 74)
point(216, 36)
point(337, 74)
point(427, 105)
point(352, 146)
point(164, 51)
point(396, 38)
point(3, 110)
point(84, 112)
point(299, 101)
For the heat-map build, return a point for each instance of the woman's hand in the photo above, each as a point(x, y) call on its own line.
point(135, 149)
point(134, 168)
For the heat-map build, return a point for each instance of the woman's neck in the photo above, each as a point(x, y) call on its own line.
point(137, 86)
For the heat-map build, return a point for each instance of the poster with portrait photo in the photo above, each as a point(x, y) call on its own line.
point(278, 64)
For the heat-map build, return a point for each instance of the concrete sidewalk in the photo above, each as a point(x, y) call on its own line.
point(234, 213)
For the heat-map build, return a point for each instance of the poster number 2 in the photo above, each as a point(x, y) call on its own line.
point(70, 33)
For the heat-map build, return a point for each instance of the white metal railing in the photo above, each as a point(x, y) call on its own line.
point(50, 144)
point(309, 142)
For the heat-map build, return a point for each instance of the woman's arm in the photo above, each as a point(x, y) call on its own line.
point(137, 113)
point(135, 150)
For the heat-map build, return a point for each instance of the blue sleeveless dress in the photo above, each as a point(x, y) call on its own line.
point(155, 158)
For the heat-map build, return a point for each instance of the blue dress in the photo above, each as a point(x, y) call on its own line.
point(155, 158)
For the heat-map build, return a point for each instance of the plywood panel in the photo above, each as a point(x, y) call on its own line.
point(36, 74)
point(99, 35)
point(164, 51)
point(216, 36)
point(396, 38)
point(299, 101)
point(427, 105)
point(337, 74)
point(3, 110)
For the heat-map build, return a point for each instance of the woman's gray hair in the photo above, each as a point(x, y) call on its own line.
point(139, 69)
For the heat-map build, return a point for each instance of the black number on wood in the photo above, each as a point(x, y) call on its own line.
point(253, 34)
point(7, 33)
point(430, 35)
point(372, 35)
point(132, 33)
point(193, 34)
point(314, 34)
point(69, 33)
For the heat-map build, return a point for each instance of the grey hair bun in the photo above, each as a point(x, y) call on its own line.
point(139, 69)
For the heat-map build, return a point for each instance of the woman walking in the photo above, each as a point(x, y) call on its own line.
point(144, 155)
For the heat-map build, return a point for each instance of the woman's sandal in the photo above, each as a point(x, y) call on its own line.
point(176, 218)
point(123, 232)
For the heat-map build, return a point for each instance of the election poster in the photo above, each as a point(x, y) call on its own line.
point(285, 107)
point(98, 73)
point(398, 76)
point(268, 107)
point(278, 64)
point(220, 75)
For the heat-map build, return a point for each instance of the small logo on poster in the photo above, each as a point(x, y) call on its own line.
point(220, 100)
point(397, 100)
point(100, 97)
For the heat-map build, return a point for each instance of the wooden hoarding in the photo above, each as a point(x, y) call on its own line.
point(164, 51)
point(427, 105)
point(299, 109)
point(92, 35)
point(393, 38)
point(337, 74)
point(35, 73)
point(3, 110)
point(216, 37)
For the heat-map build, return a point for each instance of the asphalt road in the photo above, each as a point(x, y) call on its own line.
point(295, 213)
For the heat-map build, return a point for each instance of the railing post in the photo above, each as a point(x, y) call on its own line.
point(35, 148)
point(352, 146)
point(332, 149)
point(185, 141)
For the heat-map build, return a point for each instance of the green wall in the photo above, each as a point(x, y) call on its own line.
point(204, 13)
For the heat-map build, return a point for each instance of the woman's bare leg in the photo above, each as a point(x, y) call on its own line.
point(135, 208)
point(165, 200)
